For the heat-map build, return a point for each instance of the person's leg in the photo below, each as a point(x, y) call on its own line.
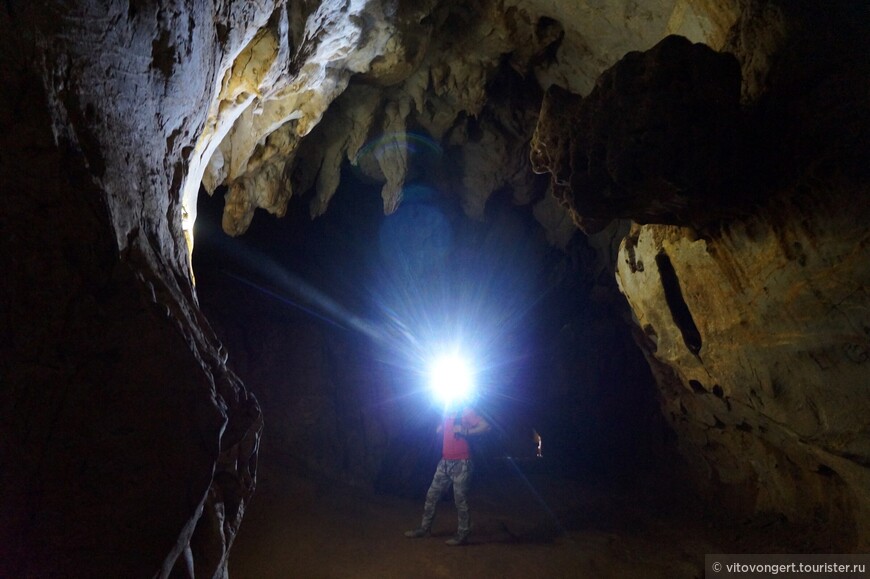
point(440, 482)
point(461, 477)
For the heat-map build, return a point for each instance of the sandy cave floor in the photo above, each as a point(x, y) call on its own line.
point(298, 528)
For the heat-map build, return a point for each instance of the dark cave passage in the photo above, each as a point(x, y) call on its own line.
point(308, 311)
point(326, 320)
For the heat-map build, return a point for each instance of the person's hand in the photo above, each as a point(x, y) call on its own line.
point(459, 430)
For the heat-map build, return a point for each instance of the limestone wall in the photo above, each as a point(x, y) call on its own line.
point(128, 448)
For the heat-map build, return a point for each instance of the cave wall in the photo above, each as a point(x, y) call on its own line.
point(128, 448)
point(764, 370)
point(746, 267)
point(330, 406)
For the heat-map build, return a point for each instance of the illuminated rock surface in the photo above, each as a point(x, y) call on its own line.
point(755, 318)
point(435, 65)
point(121, 424)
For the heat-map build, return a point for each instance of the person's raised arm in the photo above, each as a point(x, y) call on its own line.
point(479, 427)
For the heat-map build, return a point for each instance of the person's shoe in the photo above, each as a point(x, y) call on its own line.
point(417, 533)
point(457, 540)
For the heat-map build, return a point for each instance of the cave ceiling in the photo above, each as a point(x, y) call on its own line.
point(381, 85)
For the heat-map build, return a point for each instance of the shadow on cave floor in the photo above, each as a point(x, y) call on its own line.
point(296, 527)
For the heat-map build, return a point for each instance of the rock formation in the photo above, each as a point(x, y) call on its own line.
point(747, 279)
point(745, 269)
point(128, 448)
point(657, 140)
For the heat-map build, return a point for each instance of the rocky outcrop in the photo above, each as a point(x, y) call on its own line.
point(658, 139)
point(758, 334)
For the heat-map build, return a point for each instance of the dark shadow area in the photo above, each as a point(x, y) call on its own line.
point(677, 304)
point(329, 320)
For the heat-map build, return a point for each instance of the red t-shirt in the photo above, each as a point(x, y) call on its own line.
point(456, 447)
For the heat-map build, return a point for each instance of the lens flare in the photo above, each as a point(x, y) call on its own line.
point(418, 152)
point(413, 143)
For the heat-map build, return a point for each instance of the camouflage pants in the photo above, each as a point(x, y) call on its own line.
point(458, 473)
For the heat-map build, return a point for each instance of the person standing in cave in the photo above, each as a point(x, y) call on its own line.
point(455, 467)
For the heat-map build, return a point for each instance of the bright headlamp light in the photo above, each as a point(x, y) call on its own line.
point(451, 379)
